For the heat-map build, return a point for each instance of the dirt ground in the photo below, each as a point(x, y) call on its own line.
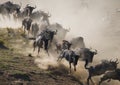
point(17, 68)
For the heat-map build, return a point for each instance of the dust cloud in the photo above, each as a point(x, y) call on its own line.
point(97, 21)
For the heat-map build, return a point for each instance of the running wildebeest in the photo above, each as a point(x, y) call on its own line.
point(34, 29)
point(45, 17)
point(77, 42)
point(9, 8)
point(86, 55)
point(61, 31)
point(115, 75)
point(52, 33)
point(28, 10)
point(38, 43)
point(70, 56)
point(101, 69)
point(26, 24)
point(43, 39)
point(62, 46)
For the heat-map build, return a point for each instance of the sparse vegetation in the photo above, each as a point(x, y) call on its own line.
point(16, 68)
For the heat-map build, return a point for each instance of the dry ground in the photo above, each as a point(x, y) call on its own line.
point(16, 68)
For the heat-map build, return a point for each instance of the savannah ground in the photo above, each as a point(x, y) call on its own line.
point(17, 67)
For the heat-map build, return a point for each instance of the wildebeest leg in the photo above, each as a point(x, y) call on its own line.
point(70, 66)
point(91, 81)
point(38, 50)
point(57, 50)
point(28, 32)
point(109, 80)
point(74, 67)
point(47, 52)
point(24, 30)
point(60, 58)
point(86, 63)
point(46, 46)
point(102, 79)
point(34, 45)
point(89, 77)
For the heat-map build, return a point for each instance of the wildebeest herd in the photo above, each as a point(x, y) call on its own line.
point(54, 34)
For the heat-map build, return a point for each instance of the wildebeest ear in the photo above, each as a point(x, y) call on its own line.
point(116, 60)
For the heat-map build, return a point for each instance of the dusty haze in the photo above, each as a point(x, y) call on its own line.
point(97, 21)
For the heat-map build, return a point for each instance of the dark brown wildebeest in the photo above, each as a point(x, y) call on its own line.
point(63, 46)
point(86, 55)
point(9, 8)
point(77, 42)
point(26, 24)
point(70, 56)
point(28, 10)
point(34, 29)
point(101, 69)
point(115, 75)
point(43, 39)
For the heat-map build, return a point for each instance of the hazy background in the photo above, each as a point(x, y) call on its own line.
point(97, 21)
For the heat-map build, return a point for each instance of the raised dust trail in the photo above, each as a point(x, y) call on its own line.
point(95, 20)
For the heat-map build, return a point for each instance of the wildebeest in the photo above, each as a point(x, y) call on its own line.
point(115, 75)
point(43, 39)
point(62, 46)
point(101, 69)
point(28, 10)
point(26, 24)
point(86, 55)
point(61, 32)
point(45, 17)
point(70, 56)
point(77, 42)
point(9, 8)
point(38, 43)
point(34, 29)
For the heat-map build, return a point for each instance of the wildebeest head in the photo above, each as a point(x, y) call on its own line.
point(28, 6)
point(45, 15)
point(52, 33)
point(91, 55)
point(113, 64)
point(28, 10)
point(16, 8)
point(66, 44)
point(95, 52)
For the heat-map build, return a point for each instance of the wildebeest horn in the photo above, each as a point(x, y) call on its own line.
point(95, 51)
point(116, 60)
point(110, 60)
